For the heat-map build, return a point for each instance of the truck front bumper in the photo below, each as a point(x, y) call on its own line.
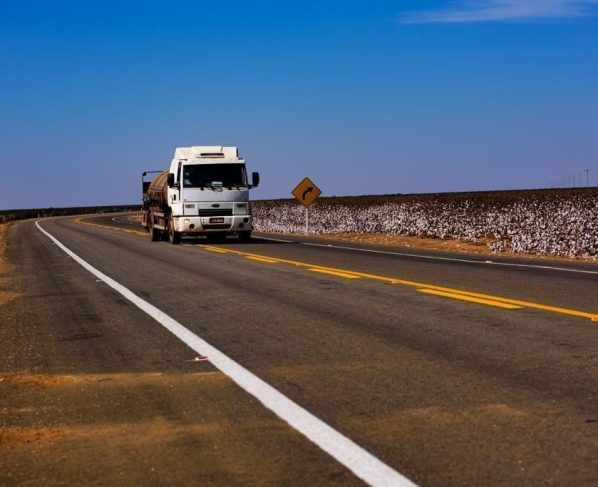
point(193, 225)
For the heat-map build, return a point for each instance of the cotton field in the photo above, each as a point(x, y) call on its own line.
point(544, 222)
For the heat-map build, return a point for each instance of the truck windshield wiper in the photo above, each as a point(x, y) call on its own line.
point(214, 187)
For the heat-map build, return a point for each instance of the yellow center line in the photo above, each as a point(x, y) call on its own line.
point(516, 303)
point(522, 304)
point(261, 259)
point(218, 251)
point(346, 275)
point(126, 230)
point(463, 297)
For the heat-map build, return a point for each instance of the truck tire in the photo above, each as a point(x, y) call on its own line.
point(245, 237)
point(155, 234)
point(174, 237)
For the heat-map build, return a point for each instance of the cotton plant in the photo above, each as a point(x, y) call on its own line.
point(551, 224)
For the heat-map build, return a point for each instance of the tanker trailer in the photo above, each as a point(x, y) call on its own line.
point(155, 205)
point(204, 193)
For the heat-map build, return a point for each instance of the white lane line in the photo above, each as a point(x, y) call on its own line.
point(276, 239)
point(362, 463)
point(432, 257)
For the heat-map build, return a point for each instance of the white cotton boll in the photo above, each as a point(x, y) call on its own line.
point(557, 224)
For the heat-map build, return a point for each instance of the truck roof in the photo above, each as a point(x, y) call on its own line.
point(206, 152)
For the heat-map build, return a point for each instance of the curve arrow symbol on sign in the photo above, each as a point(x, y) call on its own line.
point(308, 190)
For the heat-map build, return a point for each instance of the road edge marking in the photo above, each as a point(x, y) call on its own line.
point(356, 459)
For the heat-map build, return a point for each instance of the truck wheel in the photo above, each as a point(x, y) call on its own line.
point(244, 237)
point(174, 237)
point(155, 234)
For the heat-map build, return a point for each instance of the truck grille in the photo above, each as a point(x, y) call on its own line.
point(215, 212)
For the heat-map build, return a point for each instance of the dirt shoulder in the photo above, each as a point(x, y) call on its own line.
point(3, 233)
point(416, 242)
point(6, 295)
point(449, 245)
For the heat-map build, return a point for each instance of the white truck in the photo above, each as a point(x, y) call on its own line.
point(205, 192)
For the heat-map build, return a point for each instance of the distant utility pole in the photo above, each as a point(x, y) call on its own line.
point(587, 177)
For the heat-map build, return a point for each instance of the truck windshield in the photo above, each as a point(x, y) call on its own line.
point(214, 175)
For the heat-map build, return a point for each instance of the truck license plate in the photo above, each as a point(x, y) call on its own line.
point(217, 220)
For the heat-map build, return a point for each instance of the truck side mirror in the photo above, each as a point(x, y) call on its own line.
point(170, 180)
point(255, 179)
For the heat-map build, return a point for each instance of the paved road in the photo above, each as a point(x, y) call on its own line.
point(448, 372)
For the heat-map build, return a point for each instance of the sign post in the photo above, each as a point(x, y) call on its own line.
point(306, 192)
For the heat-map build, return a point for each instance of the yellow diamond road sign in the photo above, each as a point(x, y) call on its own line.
point(306, 192)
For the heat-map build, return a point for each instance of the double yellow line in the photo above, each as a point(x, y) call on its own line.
point(126, 230)
point(430, 289)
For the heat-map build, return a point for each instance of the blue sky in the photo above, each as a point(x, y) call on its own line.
point(364, 97)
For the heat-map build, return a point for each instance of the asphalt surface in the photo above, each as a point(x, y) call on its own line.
point(445, 390)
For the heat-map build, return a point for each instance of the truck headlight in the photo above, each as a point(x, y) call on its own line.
point(240, 209)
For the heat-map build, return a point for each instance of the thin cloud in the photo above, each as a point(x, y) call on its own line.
point(502, 10)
